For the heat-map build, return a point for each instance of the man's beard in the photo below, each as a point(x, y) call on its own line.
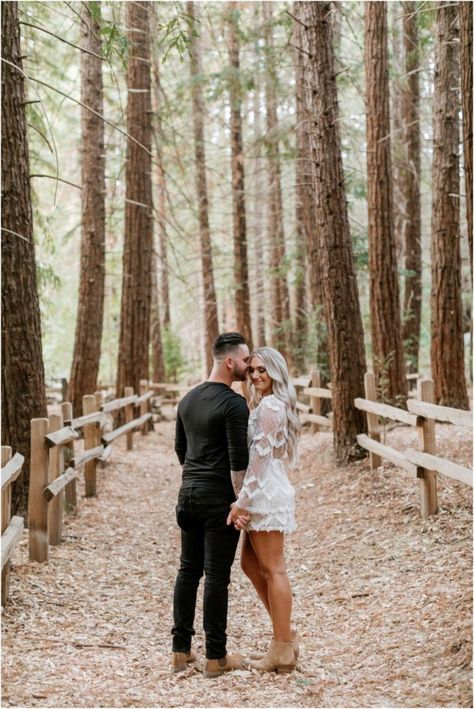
point(239, 374)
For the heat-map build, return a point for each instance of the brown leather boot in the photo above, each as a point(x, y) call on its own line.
point(296, 648)
point(215, 668)
point(280, 657)
point(180, 660)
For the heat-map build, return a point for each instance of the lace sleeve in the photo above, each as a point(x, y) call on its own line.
point(269, 434)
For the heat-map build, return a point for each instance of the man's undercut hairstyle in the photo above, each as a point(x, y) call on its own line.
point(226, 343)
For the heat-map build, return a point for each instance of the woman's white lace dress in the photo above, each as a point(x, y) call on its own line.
point(266, 491)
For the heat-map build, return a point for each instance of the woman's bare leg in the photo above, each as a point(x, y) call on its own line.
point(268, 548)
point(251, 568)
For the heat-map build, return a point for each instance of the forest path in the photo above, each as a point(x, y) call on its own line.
point(381, 598)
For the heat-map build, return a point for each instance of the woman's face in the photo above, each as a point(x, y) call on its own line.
point(260, 377)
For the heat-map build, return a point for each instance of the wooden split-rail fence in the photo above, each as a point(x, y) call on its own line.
point(55, 467)
point(421, 464)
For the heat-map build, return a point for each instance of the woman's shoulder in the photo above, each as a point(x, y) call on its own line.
point(271, 402)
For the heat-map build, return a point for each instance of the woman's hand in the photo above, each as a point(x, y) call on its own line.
point(239, 518)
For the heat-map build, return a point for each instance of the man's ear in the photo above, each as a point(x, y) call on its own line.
point(229, 361)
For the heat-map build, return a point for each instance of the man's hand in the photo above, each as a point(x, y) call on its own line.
point(239, 518)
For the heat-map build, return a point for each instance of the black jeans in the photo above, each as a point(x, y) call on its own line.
point(207, 545)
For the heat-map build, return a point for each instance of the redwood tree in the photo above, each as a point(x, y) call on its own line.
point(242, 297)
point(23, 382)
point(305, 197)
point(210, 303)
point(447, 343)
point(387, 344)
point(410, 173)
point(339, 284)
point(90, 311)
point(465, 22)
point(138, 241)
point(258, 281)
point(280, 301)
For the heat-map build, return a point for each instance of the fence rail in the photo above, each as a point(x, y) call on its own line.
point(12, 527)
point(422, 413)
point(55, 466)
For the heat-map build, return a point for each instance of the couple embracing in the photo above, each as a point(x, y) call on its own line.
point(234, 480)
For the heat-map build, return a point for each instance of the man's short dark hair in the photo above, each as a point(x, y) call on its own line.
point(225, 343)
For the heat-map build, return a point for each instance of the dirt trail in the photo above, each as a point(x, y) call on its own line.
point(382, 600)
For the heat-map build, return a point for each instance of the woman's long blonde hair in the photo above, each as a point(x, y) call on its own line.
point(283, 389)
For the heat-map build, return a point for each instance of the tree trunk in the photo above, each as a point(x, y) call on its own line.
point(157, 354)
point(387, 344)
point(90, 311)
point(465, 17)
point(23, 382)
point(280, 299)
point(304, 199)
point(339, 284)
point(162, 281)
point(398, 148)
point(258, 281)
point(138, 241)
point(209, 295)
point(242, 297)
point(411, 187)
point(447, 344)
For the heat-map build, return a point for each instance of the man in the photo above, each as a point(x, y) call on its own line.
point(211, 445)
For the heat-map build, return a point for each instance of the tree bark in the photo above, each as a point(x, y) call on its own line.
point(397, 145)
point(410, 197)
point(90, 310)
point(387, 344)
point(163, 280)
point(138, 241)
point(447, 343)
point(306, 202)
point(339, 284)
point(209, 295)
point(258, 234)
point(157, 354)
point(23, 381)
point(280, 299)
point(242, 296)
point(304, 208)
point(465, 18)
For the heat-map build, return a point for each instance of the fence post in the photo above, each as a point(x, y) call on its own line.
point(55, 468)
point(6, 516)
point(373, 423)
point(70, 489)
point(88, 407)
point(128, 391)
point(144, 405)
point(426, 436)
point(37, 505)
point(315, 401)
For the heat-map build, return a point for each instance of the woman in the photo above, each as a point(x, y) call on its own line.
point(268, 497)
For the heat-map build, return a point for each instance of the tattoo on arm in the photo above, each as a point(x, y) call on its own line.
point(237, 477)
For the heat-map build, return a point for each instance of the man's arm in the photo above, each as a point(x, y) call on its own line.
point(180, 441)
point(236, 431)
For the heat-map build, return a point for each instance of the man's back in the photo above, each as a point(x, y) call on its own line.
point(211, 434)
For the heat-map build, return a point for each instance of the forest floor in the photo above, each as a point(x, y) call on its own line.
point(382, 599)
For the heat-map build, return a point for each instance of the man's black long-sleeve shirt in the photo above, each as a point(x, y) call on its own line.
point(211, 435)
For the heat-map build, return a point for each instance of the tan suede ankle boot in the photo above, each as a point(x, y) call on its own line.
point(296, 648)
point(215, 668)
point(280, 657)
point(180, 660)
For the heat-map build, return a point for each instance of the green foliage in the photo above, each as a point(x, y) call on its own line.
point(176, 34)
point(174, 362)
